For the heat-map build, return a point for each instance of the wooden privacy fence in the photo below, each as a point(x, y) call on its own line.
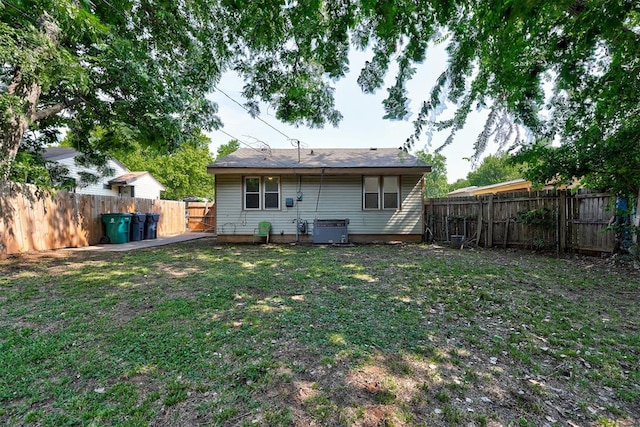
point(541, 219)
point(32, 221)
point(201, 216)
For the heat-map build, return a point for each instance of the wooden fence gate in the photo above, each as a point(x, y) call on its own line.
point(201, 216)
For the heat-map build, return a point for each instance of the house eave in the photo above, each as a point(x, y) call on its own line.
point(321, 171)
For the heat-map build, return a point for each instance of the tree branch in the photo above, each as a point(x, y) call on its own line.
point(56, 108)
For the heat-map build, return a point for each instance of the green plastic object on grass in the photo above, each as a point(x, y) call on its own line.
point(116, 227)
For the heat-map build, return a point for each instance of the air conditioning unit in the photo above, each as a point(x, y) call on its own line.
point(329, 231)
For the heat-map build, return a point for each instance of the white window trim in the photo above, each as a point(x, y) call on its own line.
point(380, 179)
point(398, 187)
point(261, 193)
point(244, 193)
point(264, 193)
point(364, 193)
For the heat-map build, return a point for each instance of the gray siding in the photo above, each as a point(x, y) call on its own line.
point(329, 197)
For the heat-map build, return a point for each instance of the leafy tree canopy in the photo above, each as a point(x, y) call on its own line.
point(228, 148)
point(609, 165)
point(493, 170)
point(459, 183)
point(435, 181)
point(183, 172)
point(141, 68)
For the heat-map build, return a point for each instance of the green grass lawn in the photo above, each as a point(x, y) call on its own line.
point(205, 334)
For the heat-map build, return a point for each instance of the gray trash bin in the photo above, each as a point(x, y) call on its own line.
point(151, 225)
point(138, 220)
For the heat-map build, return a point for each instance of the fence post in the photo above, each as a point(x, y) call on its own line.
point(490, 222)
point(479, 227)
point(562, 221)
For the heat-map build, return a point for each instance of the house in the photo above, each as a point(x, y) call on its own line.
point(122, 182)
point(501, 187)
point(513, 186)
point(320, 195)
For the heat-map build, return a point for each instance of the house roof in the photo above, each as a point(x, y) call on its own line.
point(501, 187)
point(343, 161)
point(131, 178)
point(466, 191)
point(54, 154)
point(506, 187)
point(59, 153)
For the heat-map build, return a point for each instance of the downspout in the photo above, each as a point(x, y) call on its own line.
point(319, 191)
point(298, 210)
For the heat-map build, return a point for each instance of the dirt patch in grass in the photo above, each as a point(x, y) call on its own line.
point(198, 334)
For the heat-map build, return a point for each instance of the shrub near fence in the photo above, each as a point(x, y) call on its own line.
point(554, 219)
point(33, 221)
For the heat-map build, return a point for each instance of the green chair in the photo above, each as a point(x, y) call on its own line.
point(263, 230)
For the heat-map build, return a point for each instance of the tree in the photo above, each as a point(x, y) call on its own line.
point(228, 148)
point(459, 183)
point(495, 169)
point(435, 181)
point(141, 68)
point(608, 165)
point(492, 170)
point(183, 173)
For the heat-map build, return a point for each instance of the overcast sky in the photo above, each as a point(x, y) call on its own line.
point(362, 125)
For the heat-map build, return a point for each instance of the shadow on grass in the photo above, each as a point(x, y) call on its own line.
point(279, 335)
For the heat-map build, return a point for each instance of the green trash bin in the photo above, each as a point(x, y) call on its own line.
point(117, 227)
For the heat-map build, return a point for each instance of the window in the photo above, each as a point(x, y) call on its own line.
point(391, 192)
point(271, 192)
point(371, 192)
point(381, 192)
point(262, 193)
point(252, 193)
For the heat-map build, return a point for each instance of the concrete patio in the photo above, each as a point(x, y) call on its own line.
point(148, 243)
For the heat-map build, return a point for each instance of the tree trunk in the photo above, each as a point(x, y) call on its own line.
point(27, 92)
point(636, 220)
point(19, 123)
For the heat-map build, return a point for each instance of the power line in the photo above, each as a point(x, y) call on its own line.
point(257, 117)
point(254, 148)
point(20, 11)
point(132, 22)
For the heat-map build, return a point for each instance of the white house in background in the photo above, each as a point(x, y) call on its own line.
point(123, 182)
point(320, 196)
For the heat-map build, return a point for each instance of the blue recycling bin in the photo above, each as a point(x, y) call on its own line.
point(151, 225)
point(138, 220)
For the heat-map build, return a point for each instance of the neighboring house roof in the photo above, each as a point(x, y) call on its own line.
point(504, 187)
point(466, 191)
point(59, 153)
point(54, 154)
point(500, 187)
point(132, 177)
point(343, 161)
